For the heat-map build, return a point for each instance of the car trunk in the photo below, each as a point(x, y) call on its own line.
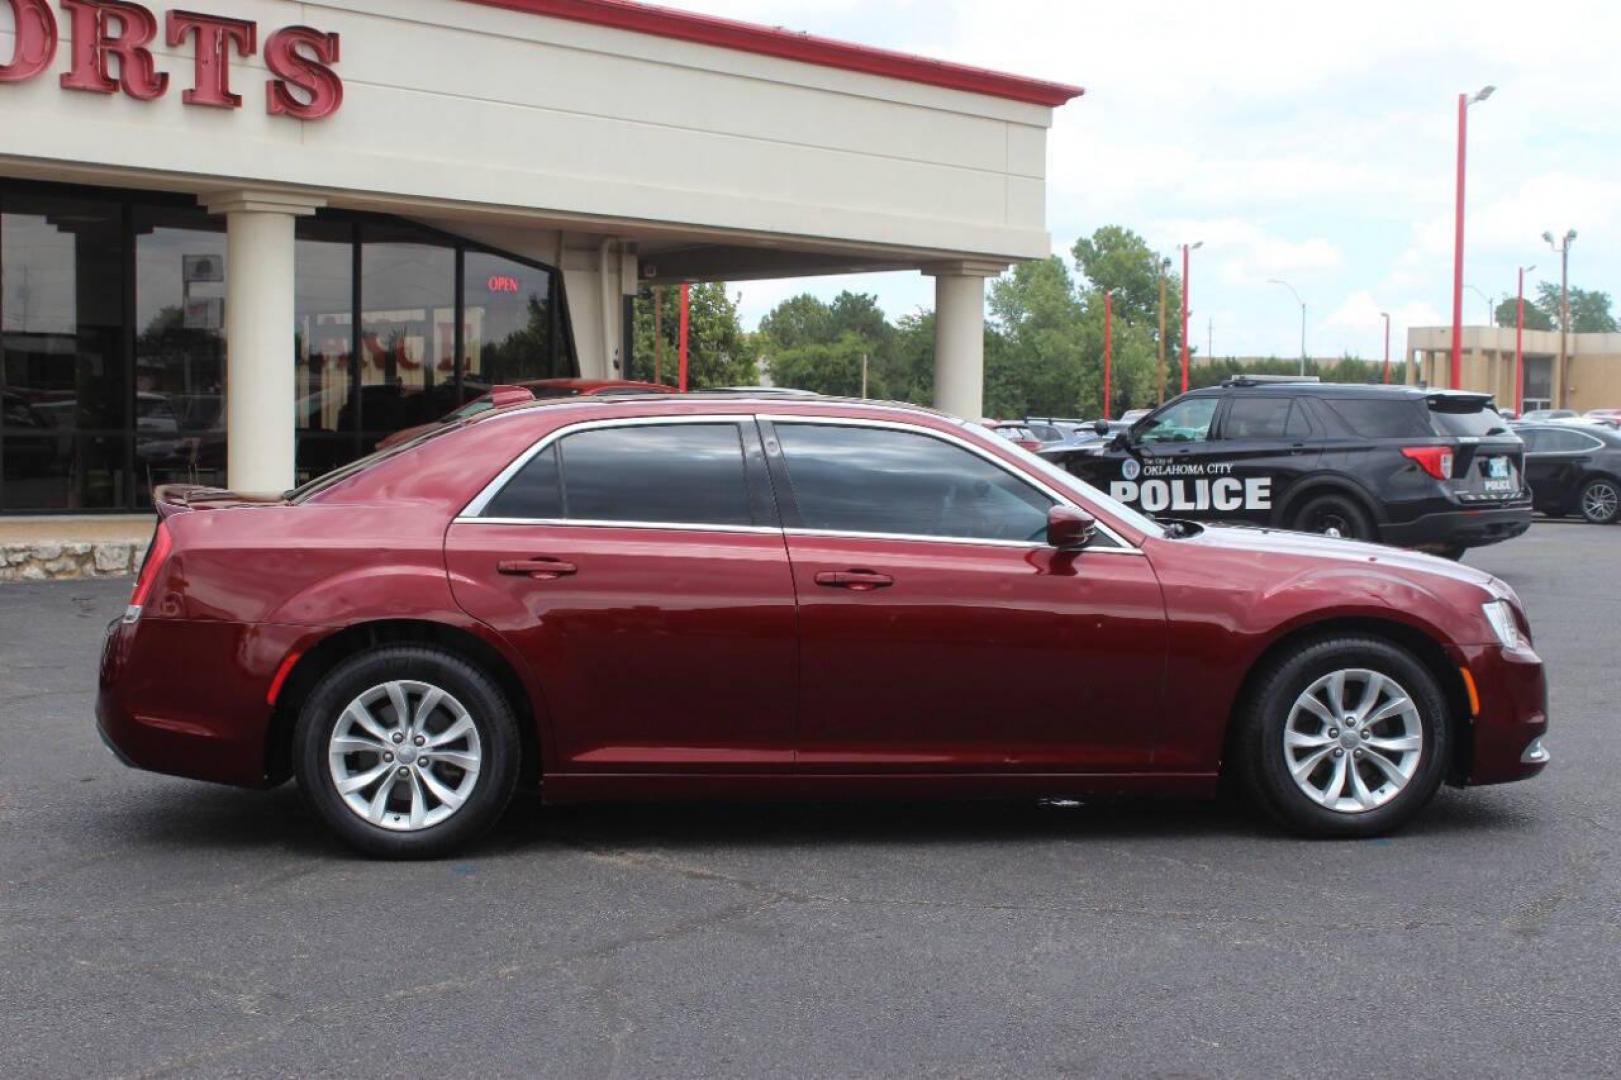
point(1488, 460)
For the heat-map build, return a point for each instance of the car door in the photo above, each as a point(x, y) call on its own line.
point(1556, 465)
point(1168, 455)
point(938, 631)
point(639, 567)
point(1265, 442)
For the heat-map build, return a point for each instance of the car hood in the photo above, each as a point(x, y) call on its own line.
point(1279, 542)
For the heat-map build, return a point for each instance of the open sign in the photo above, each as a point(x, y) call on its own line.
point(504, 283)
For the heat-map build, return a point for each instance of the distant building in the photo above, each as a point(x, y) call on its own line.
point(1594, 362)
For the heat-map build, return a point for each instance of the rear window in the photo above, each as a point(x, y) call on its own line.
point(1382, 418)
point(1475, 422)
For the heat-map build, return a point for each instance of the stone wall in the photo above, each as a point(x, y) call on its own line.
point(42, 560)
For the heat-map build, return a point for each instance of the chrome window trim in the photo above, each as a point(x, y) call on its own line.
point(956, 440)
point(592, 523)
point(1028, 545)
point(476, 507)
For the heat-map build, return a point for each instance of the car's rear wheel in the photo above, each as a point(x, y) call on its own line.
point(1600, 501)
point(1345, 737)
point(407, 751)
point(1333, 515)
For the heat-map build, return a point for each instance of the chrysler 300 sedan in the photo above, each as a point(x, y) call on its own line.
point(726, 597)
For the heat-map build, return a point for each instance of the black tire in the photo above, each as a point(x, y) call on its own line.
point(1600, 501)
point(1333, 515)
point(499, 747)
point(1260, 757)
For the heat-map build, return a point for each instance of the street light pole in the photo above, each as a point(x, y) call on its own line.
point(1386, 316)
point(1491, 310)
point(1519, 343)
point(1302, 303)
point(1159, 366)
point(1464, 101)
point(1108, 350)
point(1186, 289)
point(1562, 248)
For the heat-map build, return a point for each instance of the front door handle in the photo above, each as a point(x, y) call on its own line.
point(541, 569)
point(854, 580)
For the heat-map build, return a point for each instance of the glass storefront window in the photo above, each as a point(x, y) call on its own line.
point(179, 348)
point(64, 373)
point(113, 352)
point(323, 340)
point(510, 323)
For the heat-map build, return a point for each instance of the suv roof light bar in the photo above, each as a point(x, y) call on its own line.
point(1263, 380)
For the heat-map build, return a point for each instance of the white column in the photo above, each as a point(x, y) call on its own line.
point(959, 336)
point(260, 374)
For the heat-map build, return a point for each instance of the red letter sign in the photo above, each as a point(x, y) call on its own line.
point(113, 27)
point(308, 71)
point(36, 40)
point(211, 58)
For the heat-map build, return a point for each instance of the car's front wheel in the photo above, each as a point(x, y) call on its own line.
point(407, 751)
point(1600, 501)
point(1345, 737)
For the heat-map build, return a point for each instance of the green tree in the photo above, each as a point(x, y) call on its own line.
point(1589, 309)
point(825, 367)
point(799, 320)
point(1535, 317)
point(1042, 355)
point(718, 351)
point(1115, 257)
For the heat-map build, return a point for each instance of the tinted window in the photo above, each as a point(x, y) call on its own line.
point(1565, 442)
point(535, 492)
point(1532, 440)
point(1257, 418)
point(678, 473)
point(1475, 422)
point(1382, 418)
point(1186, 421)
point(853, 479)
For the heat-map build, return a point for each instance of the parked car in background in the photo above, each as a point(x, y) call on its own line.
point(538, 389)
point(1574, 469)
point(1610, 418)
point(1435, 470)
point(1544, 415)
point(714, 596)
point(1015, 432)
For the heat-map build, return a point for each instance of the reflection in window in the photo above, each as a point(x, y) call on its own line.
point(323, 308)
point(871, 480)
point(179, 347)
point(407, 332)
point(510, 325)
point(64, 405)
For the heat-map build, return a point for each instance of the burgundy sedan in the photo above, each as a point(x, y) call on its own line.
point(726, 597)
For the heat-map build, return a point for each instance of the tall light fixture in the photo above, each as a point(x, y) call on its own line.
point(1302, 303)
point(1464, 101)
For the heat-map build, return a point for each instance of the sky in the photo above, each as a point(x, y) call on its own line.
point(1311, 142)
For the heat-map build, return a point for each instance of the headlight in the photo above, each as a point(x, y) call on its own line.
point(1501, 616)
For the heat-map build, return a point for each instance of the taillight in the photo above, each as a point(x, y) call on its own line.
point(155, 557)
point(1435, 460)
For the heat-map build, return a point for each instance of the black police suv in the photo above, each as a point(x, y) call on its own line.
point(1436, 470)
point(1574, 469)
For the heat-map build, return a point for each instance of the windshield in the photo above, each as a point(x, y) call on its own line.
point(1069, 482)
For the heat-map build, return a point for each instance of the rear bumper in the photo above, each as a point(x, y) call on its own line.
point(1506, 736)
point(188, 698)
point(1456, 526)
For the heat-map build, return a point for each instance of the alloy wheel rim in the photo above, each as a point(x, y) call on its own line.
point(1353, 740)
point(1599, 502)
point(404, 755)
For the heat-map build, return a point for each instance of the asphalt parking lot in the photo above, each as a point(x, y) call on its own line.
point(157, 927)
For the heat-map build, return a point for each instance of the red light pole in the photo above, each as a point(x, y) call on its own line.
point(1519, 343)
point(1464, 101)
point(1108, 350)
point(1386, 316)
point(1185, 290)
point(686, 302)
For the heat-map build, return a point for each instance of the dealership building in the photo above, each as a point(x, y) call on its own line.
point(241, 242)
point(1590, 377)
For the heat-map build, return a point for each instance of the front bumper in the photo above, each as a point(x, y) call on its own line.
point(1458, 526)
point(1506, 736)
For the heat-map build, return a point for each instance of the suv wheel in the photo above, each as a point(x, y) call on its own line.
point(1345, 737)
point(1600, 501)
point(1333, 515)
point(407, 751)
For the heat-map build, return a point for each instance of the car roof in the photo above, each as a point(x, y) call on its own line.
point(656, 404)
point(1335, 390)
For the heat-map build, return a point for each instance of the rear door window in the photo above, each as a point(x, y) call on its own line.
point(1257, 418)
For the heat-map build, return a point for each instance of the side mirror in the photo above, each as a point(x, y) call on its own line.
point(1069, 529)
point(1100, 426)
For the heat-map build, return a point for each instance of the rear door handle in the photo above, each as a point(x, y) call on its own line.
point(541, 569)
point(854, 580)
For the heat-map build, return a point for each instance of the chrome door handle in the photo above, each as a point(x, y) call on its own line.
point(541, 569)
point(854, 580)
